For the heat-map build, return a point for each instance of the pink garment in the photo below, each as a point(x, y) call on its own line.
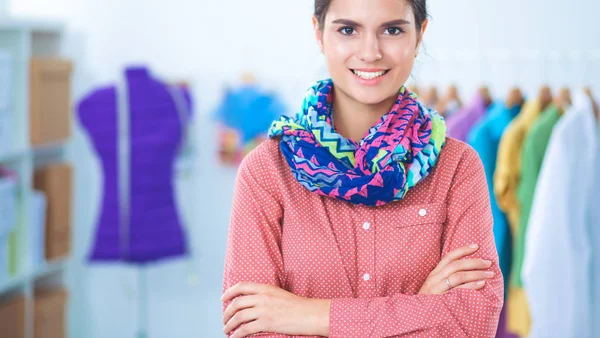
point(460, 123)
point(371, 261)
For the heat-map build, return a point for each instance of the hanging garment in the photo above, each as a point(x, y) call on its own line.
point(508, 163)
point(398, 152)
point(244, 115)
point(506, 180)
point(532, 156)
point(137, 134)
point(562, 257)
point(485, 138)
point(502, 332)
point(460, 123)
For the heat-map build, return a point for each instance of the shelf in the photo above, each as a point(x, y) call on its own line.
point(13, 283)
point(25, 40)
point(51, 268)
point(32, 24)
point(13, 155)
point(46, 269)
point(52, 149)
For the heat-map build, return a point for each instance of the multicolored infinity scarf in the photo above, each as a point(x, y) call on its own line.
point(397, 153)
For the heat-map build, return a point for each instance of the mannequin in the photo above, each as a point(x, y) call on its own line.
point(155, 130)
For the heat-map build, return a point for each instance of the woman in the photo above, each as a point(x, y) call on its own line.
point(359, 218)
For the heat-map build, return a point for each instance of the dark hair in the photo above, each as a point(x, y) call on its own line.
point(419, 7)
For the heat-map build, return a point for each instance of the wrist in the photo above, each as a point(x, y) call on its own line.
point(320, 316)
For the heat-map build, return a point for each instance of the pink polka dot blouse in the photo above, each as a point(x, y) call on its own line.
point(370, 261)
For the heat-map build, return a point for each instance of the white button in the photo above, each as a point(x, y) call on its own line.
point(366, 225)
point(422, 212)
point(366, 276)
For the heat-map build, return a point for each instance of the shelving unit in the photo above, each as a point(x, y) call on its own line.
point(23, 39)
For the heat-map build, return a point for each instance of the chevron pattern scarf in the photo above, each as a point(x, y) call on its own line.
point(397, 153)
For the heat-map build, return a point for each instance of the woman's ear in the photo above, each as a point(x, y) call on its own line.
point(421, 33)
point(318, 32)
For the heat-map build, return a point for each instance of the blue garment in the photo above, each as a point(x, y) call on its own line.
point(485, 137)
point(250, 110)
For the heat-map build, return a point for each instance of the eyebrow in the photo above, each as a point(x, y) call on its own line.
point(347, 22)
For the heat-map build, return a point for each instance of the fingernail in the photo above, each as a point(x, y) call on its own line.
point(490, 274)
point(473, 246)
point(481, 282)
point(488, 263)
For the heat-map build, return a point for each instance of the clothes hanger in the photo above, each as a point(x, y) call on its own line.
point(416, 89)
point(451, 95)
point(430, 96)
point(563, 100)
point(544, 97)
point(484, 91)
point(595, 107)
point(514, 98)
point(248, 78)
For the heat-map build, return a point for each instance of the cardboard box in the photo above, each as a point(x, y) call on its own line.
point(56, 182)
point(12, 317)
point(50, 100)
point(49, 313)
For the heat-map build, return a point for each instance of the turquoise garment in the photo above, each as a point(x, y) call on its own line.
point(485, 139)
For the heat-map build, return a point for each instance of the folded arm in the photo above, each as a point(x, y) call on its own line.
point(456, 313)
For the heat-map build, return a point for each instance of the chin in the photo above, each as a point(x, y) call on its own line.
point(373, 95)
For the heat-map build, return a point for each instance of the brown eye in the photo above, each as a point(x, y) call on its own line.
point(346, 30)
point(394, 31)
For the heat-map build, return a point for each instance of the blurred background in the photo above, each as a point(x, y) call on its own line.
point(203, 79)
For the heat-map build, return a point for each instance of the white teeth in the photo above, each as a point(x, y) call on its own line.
point(368, 75)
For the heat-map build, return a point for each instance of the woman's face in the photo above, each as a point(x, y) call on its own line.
point(369, 47)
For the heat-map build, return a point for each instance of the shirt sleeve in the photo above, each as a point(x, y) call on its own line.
point(456, 313)
point(253, 251)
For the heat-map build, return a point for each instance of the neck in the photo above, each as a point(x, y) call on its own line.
point(353, 119)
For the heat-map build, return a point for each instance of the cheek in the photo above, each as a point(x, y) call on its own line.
point(337, 49)
point(401, 53)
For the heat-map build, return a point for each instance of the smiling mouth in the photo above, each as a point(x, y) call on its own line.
point(369, 75)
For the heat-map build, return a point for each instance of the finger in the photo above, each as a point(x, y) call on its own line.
point(464, 265)
point(472, 286)
point(241, 317)
point(239, 289)
point(248, 329)
point(238, 304)
point(454, 255)
point(463, 277)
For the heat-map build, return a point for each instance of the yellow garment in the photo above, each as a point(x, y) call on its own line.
point(506, 180)
point(518, 319)
point(508, 164)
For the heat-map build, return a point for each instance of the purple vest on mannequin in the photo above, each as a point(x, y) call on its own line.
point(155, 128)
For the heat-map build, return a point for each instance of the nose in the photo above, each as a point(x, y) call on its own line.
point(369, 49)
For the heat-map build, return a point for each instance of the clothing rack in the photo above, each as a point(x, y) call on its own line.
point(502, 68)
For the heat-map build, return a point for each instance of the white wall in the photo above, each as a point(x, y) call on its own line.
point(212, 41)
point(209, 43)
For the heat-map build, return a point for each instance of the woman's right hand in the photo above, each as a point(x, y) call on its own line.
point(454, 272)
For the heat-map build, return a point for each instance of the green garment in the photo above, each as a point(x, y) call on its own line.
point(532, 157)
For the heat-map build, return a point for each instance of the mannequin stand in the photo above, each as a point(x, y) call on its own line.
point(143, 303)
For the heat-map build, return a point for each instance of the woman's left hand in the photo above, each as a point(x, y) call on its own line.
point(267, 308)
